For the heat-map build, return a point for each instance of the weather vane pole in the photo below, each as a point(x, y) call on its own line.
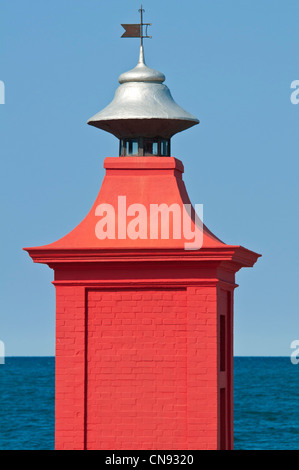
point(136, 30)
point(141, 23)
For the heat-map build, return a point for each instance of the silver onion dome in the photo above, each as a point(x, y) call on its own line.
point(143, 106)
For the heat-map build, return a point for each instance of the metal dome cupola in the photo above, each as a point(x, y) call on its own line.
point(143, 114)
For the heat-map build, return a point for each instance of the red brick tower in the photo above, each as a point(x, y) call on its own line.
point(144, 312)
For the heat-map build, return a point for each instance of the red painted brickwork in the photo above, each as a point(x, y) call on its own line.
point(149, 378)
point(225, 367)
point(137, 370)
point(70, 368)
point(202, 368)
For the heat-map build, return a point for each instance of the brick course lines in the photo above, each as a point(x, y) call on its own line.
point(137, 369)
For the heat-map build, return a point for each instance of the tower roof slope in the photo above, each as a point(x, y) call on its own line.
point(143, 181)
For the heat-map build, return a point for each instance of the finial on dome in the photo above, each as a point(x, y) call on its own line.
point(142, 73)
point(141, 56)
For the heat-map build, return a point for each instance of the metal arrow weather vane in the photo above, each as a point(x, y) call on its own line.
point(136, 30)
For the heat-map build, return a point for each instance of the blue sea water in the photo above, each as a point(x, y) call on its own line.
point(266, 403)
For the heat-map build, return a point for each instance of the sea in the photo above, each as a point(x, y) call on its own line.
point(266, 403)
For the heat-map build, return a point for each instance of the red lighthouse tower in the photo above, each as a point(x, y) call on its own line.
point(144, 295)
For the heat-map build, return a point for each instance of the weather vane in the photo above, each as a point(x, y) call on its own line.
point(136, 30)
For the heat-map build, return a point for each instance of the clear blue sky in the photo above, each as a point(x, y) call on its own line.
point(230, 64)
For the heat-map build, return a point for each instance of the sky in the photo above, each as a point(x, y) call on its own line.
point(231, 64)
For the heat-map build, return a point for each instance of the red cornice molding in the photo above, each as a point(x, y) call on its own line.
point(237, 255)
point(139, 284)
